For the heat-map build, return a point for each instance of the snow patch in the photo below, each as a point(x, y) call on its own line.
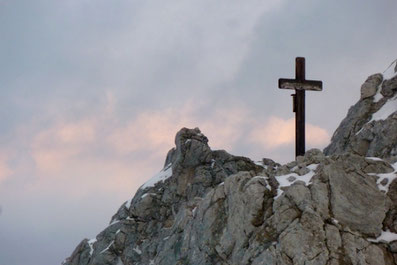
point(260, 163)
point(389, 176)
point(114, 222)
point(91, 244)
point(378, 96)
point(137, 250)
point(312, 167)
point(289, 179)
point(374, 158)
point(147, 194)
point(386, 110)
point(386, 236)
point(362, 128)
point(107, 248)
point(128, 204)
point(164, 174)
point(264, 178)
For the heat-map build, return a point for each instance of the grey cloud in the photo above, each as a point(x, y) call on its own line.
point(59, 59)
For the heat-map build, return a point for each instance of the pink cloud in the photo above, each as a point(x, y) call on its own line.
point(279, 132)
point(316, 136)
point(66, 154)
point(148, 131)
point(226, 126)
point(55, 145)
point(5, 169)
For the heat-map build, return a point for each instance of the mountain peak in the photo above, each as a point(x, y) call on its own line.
point(210, 207)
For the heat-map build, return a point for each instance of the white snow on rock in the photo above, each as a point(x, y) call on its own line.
point(164, 174)
point(137, 250)
point(147, 194)
point(128, 204)
point(260, 163)
point(264, 178)
point(386, 110)
point(378, 96)
point(386, 236)
point(114, 222)
point(91, 244)
point(374, 158)
point(289, 179)
point(194, 211)
point(389, 176)
point(213, 163)
point(107, 248)
point(312, 167)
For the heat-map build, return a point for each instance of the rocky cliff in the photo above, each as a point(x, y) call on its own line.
point(210, 207)
point(370, 127)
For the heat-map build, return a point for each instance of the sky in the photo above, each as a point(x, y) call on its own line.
point(93, 93)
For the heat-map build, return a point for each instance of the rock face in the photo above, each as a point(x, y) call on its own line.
point(209, 207)
point(370, 127)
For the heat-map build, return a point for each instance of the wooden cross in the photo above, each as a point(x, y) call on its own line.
point(300, 84)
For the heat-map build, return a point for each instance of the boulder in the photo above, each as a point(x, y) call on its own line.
point(370, 86)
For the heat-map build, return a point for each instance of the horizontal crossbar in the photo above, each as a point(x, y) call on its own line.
point(300, 85)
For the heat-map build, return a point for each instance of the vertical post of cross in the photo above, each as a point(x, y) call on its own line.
point(300, 108)
point(300, 85)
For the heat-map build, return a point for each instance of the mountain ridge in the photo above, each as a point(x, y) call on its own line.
point(210, 207)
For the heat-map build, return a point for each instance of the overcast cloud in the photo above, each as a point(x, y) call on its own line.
point(93, 93)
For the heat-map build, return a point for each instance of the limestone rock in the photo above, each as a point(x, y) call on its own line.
point(235, 212)
point(370, 127)
point(370, 87)
point(355, 200)
point(389, 87)
point(208, 207)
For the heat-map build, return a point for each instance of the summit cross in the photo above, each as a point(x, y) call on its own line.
point(300, 84)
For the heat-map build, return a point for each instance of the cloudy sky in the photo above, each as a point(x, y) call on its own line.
point(93, 93)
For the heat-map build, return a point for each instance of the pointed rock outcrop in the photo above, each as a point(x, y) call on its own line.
point(370, 127)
